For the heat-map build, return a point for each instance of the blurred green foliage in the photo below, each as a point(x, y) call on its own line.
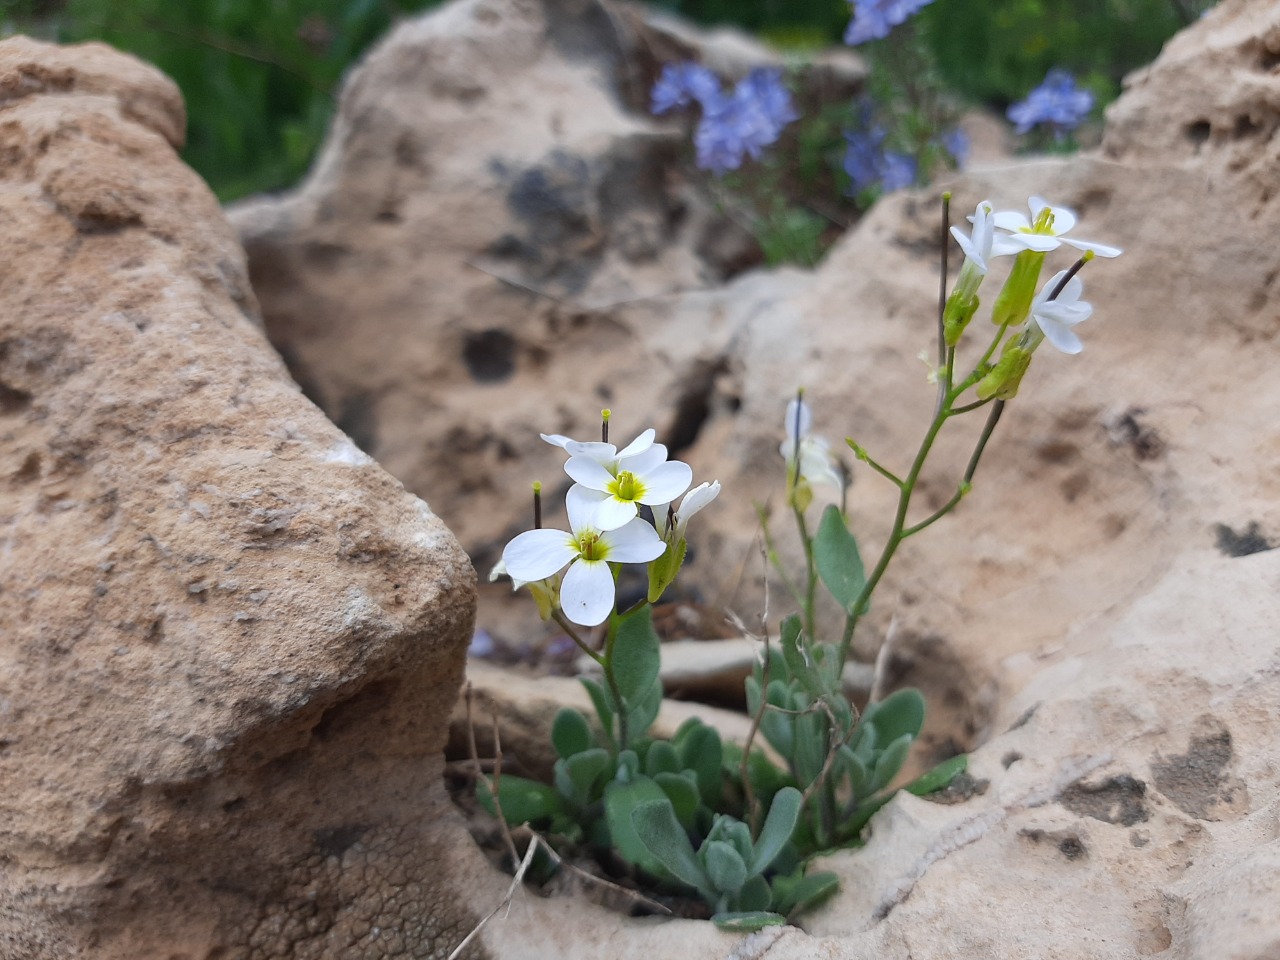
point(260, 76)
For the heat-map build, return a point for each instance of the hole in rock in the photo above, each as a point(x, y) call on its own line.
point(490, 355)
point(694, 405)
point(1242, 544)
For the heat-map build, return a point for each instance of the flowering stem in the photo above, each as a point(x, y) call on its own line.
point(865, 457)
point(945, 356)
point(605, 661)
point(811, 575)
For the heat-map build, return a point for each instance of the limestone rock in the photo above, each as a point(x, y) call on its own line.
point(229, 642)
point(1095, 621)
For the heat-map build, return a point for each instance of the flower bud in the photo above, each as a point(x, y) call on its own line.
point(1002, 381)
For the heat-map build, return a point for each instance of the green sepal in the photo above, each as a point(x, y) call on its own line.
point(1013, 303)
point(664, 570)
point(1003, 380)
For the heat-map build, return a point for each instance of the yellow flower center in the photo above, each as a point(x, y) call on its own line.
point(627, 487)
point(591, 547)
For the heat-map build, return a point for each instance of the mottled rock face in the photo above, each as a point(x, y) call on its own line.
point(229, 642)
point(1097, 617)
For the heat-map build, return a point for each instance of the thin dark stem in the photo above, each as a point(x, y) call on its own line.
point(943, 384)
point(992, 419)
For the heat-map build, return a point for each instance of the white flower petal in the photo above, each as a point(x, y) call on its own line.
point(634, 542)
point(966, 245)
point(798, 408)
point(581, 504)
point(1062, 337)
point(556, 439)
point(1099, 249)
point(693, 501)
point(613, 513)
point(604, 453)
point(1040, 242)
point(644, 461)
point(639, 444)
point(1066, 313)
point(1012, 221)
point(537, 554)
point(1063, 219)
point(586, 593)
point(588, 472)
point(666, 481)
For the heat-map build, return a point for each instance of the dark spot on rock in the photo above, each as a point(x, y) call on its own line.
point(1010, 758)
point(694, 405)
point(234, 806)
point(1022, 720)
point(13, 401)
point(357, 418)
point(1138, 838)
point(335, 841)
point(322, 255)
point(1233, 544)
point(1245, 126)
point(355, 710)
point(490, 355)
point(1126, 430)
point(1057, 451)
point(1069, 844)
point(30, 469)
point(1120, 799)
point(1197, 133)
point(1197, 781)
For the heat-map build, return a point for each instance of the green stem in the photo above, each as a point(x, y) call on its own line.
point(811, 576)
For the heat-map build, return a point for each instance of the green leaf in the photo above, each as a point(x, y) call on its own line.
point(809, 752)
point(643, 712)
point(939, 777)
point(755, 895)
point(585, 770)
point(702, 751)
point(724, 866)
point(570, 733)
point(855, 770)
point(864, 742)
point(655, 823)
point(620, 802)
point(683, 794)
point(835, 553)
point(777, 829)
point(900, 712)
point(603, 703)
point(747, 921)
point(796, 893)
point(661, 758)
point(523, 800)
point(789, 641)
point(636, 655)
point(890, 762)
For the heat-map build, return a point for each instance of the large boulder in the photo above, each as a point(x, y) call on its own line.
point(229, 642)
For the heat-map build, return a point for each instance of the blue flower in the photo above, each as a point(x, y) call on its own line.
point(956, 142)
point(733, 126)
point(899, 171)
point(873, 19)
point(1057, 102)
point(864, 157)
point(682, 83)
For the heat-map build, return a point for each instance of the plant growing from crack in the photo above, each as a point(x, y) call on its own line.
point(736, 824)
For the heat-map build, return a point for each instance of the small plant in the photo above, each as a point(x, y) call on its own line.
point(725, 821)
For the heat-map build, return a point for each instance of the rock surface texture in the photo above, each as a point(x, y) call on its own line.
point(1097, 621)
point(229, 642)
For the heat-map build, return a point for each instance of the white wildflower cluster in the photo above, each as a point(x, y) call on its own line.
point(605, 526)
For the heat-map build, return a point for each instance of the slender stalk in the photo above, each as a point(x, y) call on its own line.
point(944, 384)
point(811, 576)
point(605, 661)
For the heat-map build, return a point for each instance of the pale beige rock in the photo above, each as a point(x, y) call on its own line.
point(1092, 574)
point(229, 642)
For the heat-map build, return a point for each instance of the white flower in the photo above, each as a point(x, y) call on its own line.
point(693, 501)
point(639, 473)
point(1056, 317)
point(586, 591)
point(1043, 232)
point(816, 462)
point(977, 246)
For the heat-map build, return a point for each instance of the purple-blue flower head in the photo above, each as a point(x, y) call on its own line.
point(873, 19)
point(1057, 102)
point(683, 83)
point(740, 124)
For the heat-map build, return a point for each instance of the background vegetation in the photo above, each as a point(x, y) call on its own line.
point(259, 76)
